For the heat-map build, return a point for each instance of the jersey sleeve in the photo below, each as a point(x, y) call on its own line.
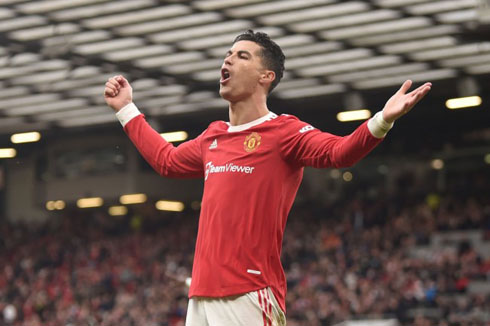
point(304, 145)
point(184, 161)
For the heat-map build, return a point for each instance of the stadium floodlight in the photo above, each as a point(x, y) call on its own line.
point(347, 20)
point(159, 12)
point(437, 164)
point(353, 115)
point(7, 152)
point(59, 204)
point(311, 91)
point(131, 199)
point(90, 202)
point(463, 102)
point(171, 206)
point(343, 8)
point(347, 176)
point(118, 210)
point(175, 136)
point(486, 158)
point(376, 28)
point(25, 137)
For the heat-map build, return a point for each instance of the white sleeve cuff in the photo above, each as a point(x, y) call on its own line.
point(127, 113)
point(378, 126)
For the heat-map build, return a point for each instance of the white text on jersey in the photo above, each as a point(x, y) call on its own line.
point(230, 167)
point(306, 128)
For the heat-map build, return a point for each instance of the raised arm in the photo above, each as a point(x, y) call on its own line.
point(305, 145)
point(183, 161)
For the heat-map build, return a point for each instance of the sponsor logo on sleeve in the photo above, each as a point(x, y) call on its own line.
point(306, 129)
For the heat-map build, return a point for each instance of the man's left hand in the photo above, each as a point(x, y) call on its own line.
point(402, 102)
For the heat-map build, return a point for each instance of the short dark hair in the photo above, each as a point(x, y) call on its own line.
point(271, 53)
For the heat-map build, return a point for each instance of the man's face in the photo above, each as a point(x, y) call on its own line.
point(241, 71)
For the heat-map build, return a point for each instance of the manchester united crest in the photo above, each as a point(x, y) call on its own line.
point(252, 142)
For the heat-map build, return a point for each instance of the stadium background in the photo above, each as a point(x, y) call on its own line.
point(402, 237)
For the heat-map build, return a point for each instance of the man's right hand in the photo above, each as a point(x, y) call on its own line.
point(118, 93)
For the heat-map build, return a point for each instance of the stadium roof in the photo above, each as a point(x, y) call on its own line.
point(56, 55)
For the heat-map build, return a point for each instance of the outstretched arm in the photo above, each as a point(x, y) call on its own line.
point(182, 161)
point(402, 102)
point(308, 146)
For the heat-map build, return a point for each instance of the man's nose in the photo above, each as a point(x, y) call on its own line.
point(228, 60)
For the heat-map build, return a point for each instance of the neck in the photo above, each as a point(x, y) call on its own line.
point(247, 110)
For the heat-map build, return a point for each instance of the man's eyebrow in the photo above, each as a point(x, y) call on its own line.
point(230, 52)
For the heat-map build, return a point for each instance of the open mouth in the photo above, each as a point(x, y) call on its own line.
point(225, 75)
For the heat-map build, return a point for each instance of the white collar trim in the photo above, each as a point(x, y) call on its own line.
point(245, 126)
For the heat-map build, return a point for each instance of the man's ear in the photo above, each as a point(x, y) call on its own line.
point(267, 77)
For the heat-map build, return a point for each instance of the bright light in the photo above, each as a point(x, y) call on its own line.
point(118, 210)
point(90, 202)
point(132, 199)
point(174, 136)
point(55, 205)
point(463, 102)
point(59, 204)
point(335, 174)
point(26, 137)
point(437, 164)
point(50, 205)
point(347, 176)
point(487, 158)
point(173, 206)
point(353, 115)
point(7, 152)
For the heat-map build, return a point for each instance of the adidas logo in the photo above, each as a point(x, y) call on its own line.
point(214, 144)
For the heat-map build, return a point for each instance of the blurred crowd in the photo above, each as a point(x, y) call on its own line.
point(348, 259)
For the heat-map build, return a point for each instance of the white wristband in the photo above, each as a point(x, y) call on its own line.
point(127, 113)
point(378, 126)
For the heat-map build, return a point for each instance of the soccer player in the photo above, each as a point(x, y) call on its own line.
point(252, 167)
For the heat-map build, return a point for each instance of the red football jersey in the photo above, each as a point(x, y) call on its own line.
point(252, 173)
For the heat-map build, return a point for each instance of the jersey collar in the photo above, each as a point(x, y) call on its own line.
point(245, 126)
